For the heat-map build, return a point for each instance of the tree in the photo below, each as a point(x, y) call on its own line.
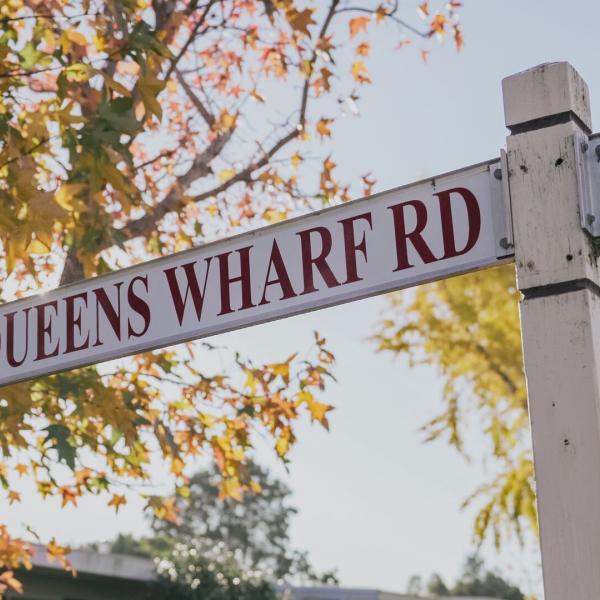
point(201, 571)
point(256, 529)
point(474, 581)
point(132, 129)
point(468, 327)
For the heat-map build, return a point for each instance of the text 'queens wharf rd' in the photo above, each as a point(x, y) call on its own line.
point(386, 242)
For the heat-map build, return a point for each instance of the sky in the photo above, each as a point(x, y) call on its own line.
point(374, 501)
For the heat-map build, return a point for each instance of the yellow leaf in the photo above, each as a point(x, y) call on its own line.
point(225, 175)
point(36, 247)
point(274, 216)
point(282, 446)
point(78, 72)
point(150, 88)
point(225, 122)
point(76, 37)
point(66, 196)
point(296, 159)
point(359, 72)
point(231, 488)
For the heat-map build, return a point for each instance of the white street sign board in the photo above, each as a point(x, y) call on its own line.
point(433, 229)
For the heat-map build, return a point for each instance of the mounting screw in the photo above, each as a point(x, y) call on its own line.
point(590, 219)
point(505, 244)
point(584, 146)
point(498, 173)
point(597, 151)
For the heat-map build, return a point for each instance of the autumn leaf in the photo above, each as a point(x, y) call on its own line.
point(438, 24)
point(68, 196)
point(381, 13)
point(359, 72)
point(7, 580)
point(14, 496)
point(358, 24)
point(117, 501)
point(363, 49)
point(423, 10)
point(226, 174)
point(225, 122)
point(368, 183)
point(69, 495)
point(296, 159)
point(324, 127)
point(301, 20)
point(21, 469)
point(458, 38)
point(55, 551)
point(149, 88)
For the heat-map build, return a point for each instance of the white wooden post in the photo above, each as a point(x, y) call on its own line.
point(557, 270)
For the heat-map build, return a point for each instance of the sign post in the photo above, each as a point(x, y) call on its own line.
point(547, 111)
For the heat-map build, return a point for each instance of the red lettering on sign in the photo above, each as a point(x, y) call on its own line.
point(10, 338)
point(473, 217)
point(113, 317)
point(226, 280)
point(139, 305)
point(192, 286)
point(320, 261)
point(74, 321)
point(45, 329)
point(351, 247)
point(415, 236)
point(283, 279)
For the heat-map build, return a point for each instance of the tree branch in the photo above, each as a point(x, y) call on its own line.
point(198, 104)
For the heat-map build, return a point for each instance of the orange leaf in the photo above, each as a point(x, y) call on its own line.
point(363, 49)
point(57, 552)
point(21, 469)
point(423, 9)
point(117, 501)
point(324, 127)
point(458, 38)
point(68, 495)
point(438, 24)
point(357, 25)
point(7, 580)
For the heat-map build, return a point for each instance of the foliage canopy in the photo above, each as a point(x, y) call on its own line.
point(468, 328)
point(131, 129)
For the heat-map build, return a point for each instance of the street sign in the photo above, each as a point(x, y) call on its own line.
point(451, 224)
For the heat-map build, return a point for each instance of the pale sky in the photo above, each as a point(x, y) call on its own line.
point(374, 501)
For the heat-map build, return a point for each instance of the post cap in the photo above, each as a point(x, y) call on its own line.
point(544, 91)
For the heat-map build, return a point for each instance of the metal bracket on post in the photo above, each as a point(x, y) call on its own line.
point(502, 215)
point(587, 156)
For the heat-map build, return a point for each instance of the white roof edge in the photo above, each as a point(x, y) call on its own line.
point(138, 568)
point(119, 566)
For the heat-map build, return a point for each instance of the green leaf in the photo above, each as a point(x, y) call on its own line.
point(119, 116)
point(59, 434)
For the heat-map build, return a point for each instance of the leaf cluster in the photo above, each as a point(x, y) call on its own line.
point(468, 328)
